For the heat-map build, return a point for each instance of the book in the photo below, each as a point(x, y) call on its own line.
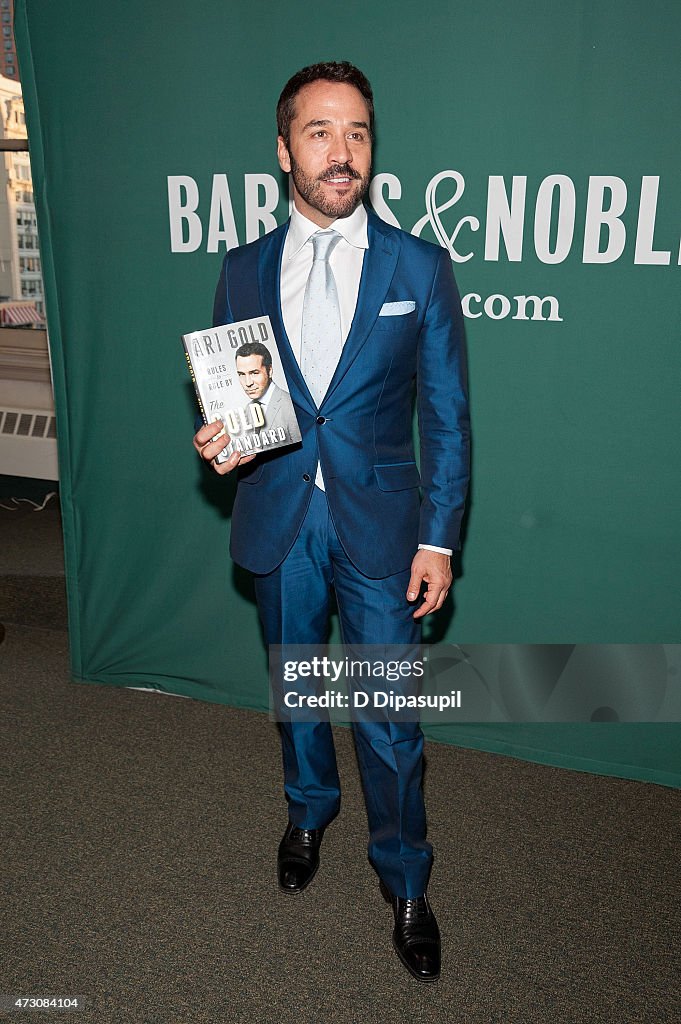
point(238, 378)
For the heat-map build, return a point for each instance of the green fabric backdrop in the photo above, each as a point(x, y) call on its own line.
point(573, 531)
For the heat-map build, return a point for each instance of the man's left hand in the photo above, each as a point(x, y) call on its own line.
point(435, 569)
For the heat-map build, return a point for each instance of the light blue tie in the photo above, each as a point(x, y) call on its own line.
point(321, 329)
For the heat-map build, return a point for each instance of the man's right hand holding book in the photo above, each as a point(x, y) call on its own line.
point(209, 442)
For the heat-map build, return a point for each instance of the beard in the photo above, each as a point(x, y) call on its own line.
point(312, 189)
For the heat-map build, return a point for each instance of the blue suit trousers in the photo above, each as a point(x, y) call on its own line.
point(294, 604)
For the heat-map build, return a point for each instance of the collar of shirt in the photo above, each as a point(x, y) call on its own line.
point(352, 228)
point(346, 262)
point(265, 397)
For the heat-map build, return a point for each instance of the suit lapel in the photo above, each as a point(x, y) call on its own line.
point(378, 268)
point(269, 277)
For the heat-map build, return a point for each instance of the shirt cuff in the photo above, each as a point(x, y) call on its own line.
point(431, 547)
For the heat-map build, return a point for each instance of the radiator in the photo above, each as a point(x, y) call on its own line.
point(28, 443)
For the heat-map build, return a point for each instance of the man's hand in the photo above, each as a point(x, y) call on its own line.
point(433, 568)
point(209, 448)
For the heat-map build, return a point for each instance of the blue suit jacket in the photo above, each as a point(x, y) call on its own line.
point(362, 432)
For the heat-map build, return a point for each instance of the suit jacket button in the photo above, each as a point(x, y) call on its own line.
point(306, 477)
point(321, 419)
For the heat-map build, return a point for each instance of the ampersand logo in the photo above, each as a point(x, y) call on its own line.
point(434, 209)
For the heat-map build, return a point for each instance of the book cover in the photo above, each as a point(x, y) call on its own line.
point(238, 377)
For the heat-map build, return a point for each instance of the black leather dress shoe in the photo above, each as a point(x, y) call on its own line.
point(416, 936)
point(298, 857)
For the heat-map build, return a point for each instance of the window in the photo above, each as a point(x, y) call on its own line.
point(29, 265)
point(8, 44)
point(22, 278)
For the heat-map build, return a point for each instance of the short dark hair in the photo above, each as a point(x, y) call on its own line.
point(255, 348)
point(329, 71)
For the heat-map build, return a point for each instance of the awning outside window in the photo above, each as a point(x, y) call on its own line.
point(13, 316)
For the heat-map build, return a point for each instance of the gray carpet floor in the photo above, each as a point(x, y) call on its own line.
point(139, 836)
point(139, 833)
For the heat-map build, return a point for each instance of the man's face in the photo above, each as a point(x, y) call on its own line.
point(253, 375)
point(329, 155)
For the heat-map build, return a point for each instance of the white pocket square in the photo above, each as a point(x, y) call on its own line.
point(397, 308)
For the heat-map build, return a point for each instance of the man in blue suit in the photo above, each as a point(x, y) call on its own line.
point(364, 315)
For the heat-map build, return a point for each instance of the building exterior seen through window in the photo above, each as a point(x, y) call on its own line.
point(22, 300)
point(8, 54)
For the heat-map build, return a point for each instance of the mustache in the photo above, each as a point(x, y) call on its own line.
point(339, 171)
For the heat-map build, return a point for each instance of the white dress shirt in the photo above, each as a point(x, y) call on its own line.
point(346, 263)
point(264, 399)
